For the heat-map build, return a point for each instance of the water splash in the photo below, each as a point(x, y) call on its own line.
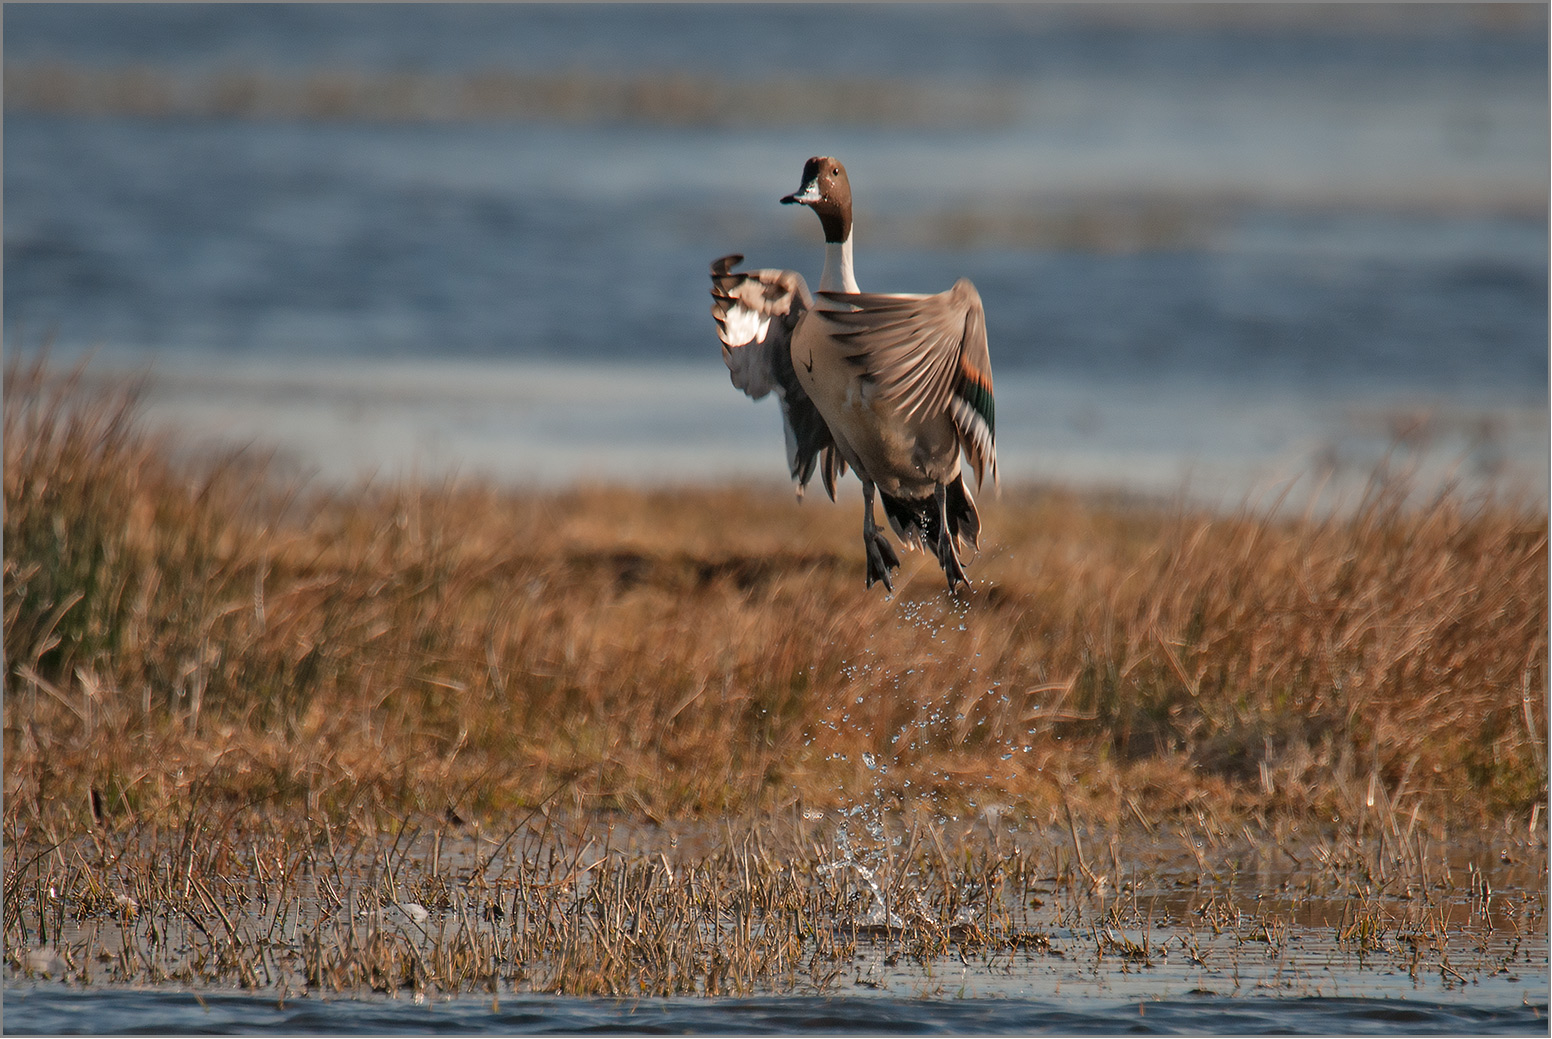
point(880, 915)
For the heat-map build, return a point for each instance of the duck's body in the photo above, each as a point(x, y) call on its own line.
point(894, 386)
point(905, 453)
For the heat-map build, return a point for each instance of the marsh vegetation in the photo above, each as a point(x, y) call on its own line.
point(604, 740)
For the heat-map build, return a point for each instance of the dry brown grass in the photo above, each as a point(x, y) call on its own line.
point(187, 633)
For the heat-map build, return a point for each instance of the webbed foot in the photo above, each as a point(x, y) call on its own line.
point(881, 558)
point(948, 558)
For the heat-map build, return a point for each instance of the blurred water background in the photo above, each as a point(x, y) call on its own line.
point(1221, 247)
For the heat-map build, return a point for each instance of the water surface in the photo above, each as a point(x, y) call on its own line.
point(56, 1010)
point(1167, 214)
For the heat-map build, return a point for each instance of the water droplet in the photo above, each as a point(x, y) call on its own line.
point(869, 760)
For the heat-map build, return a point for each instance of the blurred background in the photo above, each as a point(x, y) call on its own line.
point(1221, 247)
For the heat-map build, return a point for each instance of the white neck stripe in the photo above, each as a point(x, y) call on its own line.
point(838, 274)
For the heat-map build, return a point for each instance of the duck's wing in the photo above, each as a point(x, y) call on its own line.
point(928, 355)
point(756, 312)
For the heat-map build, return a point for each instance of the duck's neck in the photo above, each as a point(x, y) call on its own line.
point(838, 275)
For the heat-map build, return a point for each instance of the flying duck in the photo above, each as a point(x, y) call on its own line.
point(897, 386)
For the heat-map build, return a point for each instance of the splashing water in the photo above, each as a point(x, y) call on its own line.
point(862, 834)
point(880, 915)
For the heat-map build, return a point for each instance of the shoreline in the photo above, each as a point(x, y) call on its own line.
point(550, 424)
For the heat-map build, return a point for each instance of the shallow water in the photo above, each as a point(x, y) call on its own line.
point(46, 1009)
point(1243, 940)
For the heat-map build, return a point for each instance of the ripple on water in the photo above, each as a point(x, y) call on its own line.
point(56, 1009)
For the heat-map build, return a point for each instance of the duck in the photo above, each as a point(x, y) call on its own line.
point(897, 387)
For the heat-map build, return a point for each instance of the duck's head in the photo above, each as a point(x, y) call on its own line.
point(827, 192)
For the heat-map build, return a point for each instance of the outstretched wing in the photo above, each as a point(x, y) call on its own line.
point(927, 354)
point(756, 312)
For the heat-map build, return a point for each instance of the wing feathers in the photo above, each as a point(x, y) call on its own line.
point(756, 312)
point(927, 354)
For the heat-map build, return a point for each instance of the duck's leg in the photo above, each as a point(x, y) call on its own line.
point(881, 556)
point(948, 552)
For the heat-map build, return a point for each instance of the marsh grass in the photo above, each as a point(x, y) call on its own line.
point(182, 629)
point(378, 738)
point(561, 904)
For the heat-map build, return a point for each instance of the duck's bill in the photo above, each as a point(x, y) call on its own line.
point(807, 195)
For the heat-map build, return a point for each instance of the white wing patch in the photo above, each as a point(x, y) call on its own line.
point(745, 304)
point(741, 326)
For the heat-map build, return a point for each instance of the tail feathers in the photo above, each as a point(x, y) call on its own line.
point(834, 466)
point(915, 521)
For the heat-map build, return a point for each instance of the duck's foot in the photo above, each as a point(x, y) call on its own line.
point(948, 558)
point(947, 550)
point(881, 559)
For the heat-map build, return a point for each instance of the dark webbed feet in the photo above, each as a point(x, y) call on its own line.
point(881, 555)
point(947, 550)
point(948, 558)
point(881, 558)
